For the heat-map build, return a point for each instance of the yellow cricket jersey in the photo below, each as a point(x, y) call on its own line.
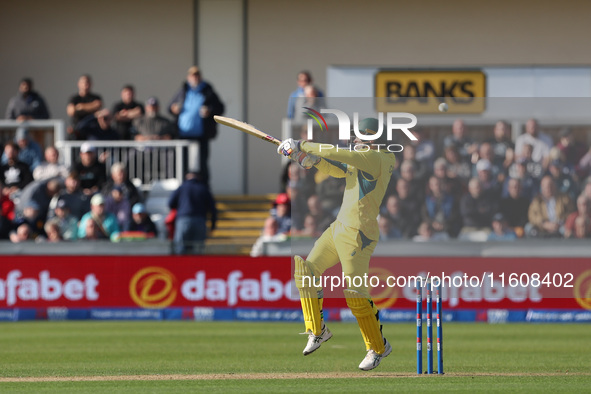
point(367, 175)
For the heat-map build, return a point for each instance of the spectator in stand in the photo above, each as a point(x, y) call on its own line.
point(75, 199)
point(7, 214)
point(534, 169)
point(118, 205)
point(106, 223)
point(451, 185)
point(29, 151)
point(584, 166)
point(501, 232)
point(120, 179)
point(96, 126)
point(82, 104)
point(529, 186)
point(194, 106)
point(477, 209)
point(425, 149)
point(458, 139)
point(126, 111)
point(31, 216)
point(40, 192)
point(440, 210)
point(583, 211)
point(540, 142)
point(416, 187)
point(22, 234)
point(52, 231)
point(421, 171)
point(310, 99)
point(582, 228)
point(152, 126)
point(90, 170)
point(51, 167)
point(323, 219)
point(409, 209)
point(193, 201)
point(330, 192)
point(27, 104)
point(485, 152)
point(92, 231)
point(548, 211)
point(141, 222)
point(281, 213)
point(565, 183)
point(15, 174)
point(392, 222)
point(67, 223)
point(514, 207)
point(270, 234)
point(487, 181)
point(310, 228)
point(455, 165)
point(503, 147)
point(572, 152)
point(304, 79)
point(426, 233)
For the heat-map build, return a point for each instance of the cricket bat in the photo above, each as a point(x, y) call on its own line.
point(245, 127)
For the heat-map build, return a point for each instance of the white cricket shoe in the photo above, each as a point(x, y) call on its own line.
point(314, 341)
point(372, 359)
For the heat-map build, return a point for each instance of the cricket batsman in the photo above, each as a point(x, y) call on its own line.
point(350, 239)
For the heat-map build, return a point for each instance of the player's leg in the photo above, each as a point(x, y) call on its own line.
point(355, 251)
point(307, 276)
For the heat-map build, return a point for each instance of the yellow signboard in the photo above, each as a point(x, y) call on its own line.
point(417, 91)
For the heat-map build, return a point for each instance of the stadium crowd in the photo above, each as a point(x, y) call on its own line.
point(495, 189)
point(43, 200)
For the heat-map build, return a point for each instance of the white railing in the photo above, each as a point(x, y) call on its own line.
point(51, 130)
point(147, 161)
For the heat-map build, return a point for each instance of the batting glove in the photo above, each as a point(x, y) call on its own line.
point(289, 148)
point(307, 161)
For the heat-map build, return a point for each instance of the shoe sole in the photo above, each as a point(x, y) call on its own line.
point(326, 340)
point(384, 355)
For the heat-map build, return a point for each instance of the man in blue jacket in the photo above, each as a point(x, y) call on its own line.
point(193, 201)
point(194, 106)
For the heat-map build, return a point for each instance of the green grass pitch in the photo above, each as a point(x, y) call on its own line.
point(90, 356)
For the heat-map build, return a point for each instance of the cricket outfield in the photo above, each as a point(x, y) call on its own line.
point(91, 356)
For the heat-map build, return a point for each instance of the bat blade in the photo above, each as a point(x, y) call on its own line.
point(245, 127)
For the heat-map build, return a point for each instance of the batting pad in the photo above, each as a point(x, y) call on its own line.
point(367, 317)
point(309, 296)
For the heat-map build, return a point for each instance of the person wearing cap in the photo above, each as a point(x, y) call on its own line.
point(77, 202)
point(118, 204)
point(352, 236)
point(90, 170)
point(194, 106)
point(27, 104)
point(152, 125)
point(501, 232)
point(193, 201)
point(140, 221)
point(14, 175)
point(29, 151)
point(126, 111)
point(67, 223)
point(106, 223)
point(82, 104)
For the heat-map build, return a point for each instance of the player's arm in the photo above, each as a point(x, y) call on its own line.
point(333, 168)
point(366, 161)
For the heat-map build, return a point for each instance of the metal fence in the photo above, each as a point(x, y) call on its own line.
point(146, 161)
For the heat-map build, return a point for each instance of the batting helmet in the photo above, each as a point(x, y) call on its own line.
point(369, 126)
